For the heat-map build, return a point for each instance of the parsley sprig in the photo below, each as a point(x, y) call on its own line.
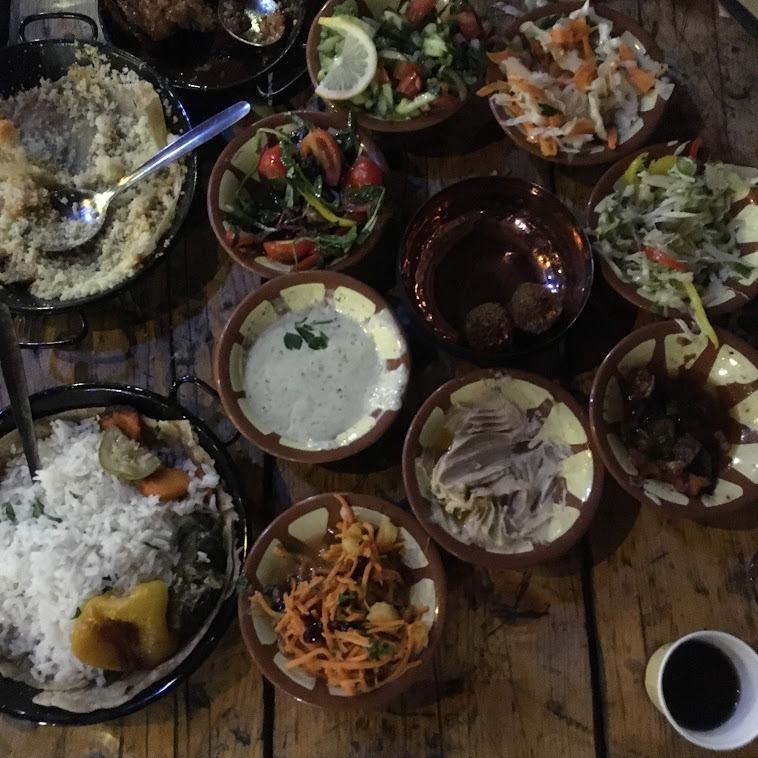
point(305, 333)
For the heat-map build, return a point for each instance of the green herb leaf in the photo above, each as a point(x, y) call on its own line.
point(150, 545)
point(379, 648)
point(312, 339)
point(77, 613)
point(293, 341)
point(547, 110)
point(38, 508)
point(345, 597)
point(547, 21)
point(242, 584)
point(9, 512)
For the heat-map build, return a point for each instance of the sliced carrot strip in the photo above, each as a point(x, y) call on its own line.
point(548, 146)
point(641, 80)
point(625, 52)
point(492, 88)
point(613, 137)
point(584, 76)
point(500, 56)
point(582, 126)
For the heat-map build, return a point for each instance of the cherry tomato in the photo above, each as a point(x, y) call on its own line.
point(364, 172)
point(658, 256)
point(289, 251)
point(308, 262)
point(270, 164)
point(409, 77)
point(468, 24)
point(418, 10)
point(324, 148)
point(243, 240)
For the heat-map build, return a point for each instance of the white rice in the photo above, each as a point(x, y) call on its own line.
point(108, 534)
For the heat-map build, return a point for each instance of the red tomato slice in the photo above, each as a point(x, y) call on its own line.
point(308, 262)
point(243, 240)
point(270, 164)
point(324, 148)
point(695, 146)
point(409, 77)
point(657, 256)
point(418, 10)
point(468, 24)
point(381, 75)
point(364, 172)
point(289, 251)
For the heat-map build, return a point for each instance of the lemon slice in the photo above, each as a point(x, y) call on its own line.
point(354, 68)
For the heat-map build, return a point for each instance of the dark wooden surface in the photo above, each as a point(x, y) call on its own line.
point(547, 662)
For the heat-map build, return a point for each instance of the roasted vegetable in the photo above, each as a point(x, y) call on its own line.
point(125, 633)
point(124, 457)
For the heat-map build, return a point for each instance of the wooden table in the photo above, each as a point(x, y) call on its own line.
point(546, 662)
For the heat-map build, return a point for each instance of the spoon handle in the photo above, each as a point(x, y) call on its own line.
point(15, 380)
point(187, 143)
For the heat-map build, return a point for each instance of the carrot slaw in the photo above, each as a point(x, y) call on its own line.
point(350, 622)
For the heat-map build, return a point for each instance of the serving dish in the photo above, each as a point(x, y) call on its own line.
point(272, 305)
point(307, 522)
point(422, 121)
point(581, 470)
point(478, 240)
point(651, 118)
point(15, 697)
point(203, 61)
point(735, 295)
point(22, 67)
point(236, 162)
point(729, 372)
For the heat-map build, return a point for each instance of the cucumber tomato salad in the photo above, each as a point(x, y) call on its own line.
point(312, 196)
point(669, 228)
point(401, 60)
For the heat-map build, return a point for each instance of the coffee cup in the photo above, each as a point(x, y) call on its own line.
point(723, 667)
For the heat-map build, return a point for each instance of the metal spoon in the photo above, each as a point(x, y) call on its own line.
point(266, 18)
point(90, 207)
point(15, 380)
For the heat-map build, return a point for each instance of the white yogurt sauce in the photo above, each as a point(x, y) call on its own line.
point(313, 396)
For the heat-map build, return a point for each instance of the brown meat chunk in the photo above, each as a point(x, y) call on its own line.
point(488, 327)
point(161, 18)
point(535, 308)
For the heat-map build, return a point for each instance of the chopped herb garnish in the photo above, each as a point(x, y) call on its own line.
point(345, 597)
point(548, 110)
point(150, 545)
point(38, 508)
point(77, 613)
point(379, 648)
point(9, 512)
point(242, 584)
point(306, 333)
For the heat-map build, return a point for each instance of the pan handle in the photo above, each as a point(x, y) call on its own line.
point(74, 339)
point(267, 94)
point(182, 380)
point(59, 14)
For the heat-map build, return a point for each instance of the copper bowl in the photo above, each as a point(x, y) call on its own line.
point(738, 295)
point(537, 240)
point(233, 165)
point(528, 391)
point(650, 119)
point(309, 520)
point(422, 121)
point(264, 307)
point(730, 371)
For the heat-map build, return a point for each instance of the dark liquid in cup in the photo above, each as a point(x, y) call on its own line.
point(701, 686)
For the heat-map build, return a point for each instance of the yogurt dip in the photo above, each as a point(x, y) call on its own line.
point(317, 379)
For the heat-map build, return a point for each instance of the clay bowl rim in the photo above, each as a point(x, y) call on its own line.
point(269, 443)
point(363, 119)
point(223, 164)
point(599, 427)
point(257, 651)
point(602, 189)
point(474, 554)
point(497, 358)
point(650, 119)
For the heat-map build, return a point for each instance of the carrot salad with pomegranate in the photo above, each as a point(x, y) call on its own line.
point(346, 617)
point(573, 86)
point(312, 196)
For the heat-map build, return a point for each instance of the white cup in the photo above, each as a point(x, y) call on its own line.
point(742, 727)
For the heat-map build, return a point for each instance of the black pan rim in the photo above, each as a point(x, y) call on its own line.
point(90, 394)
point(189, 185)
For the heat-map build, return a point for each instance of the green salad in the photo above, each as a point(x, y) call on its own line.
point(312, 195)
point(403, 60)
point(669, 228)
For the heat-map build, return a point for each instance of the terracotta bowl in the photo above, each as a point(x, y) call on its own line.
point(270, 302)
point(422, 121)
point(650, 119)
point(735, 296)
point(308, 522)
point(235, 162)
point(730, 371)
point(537, 240)
point(584, 472)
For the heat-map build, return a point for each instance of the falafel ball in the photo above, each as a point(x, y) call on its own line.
point(488, 327)
point(535, 308)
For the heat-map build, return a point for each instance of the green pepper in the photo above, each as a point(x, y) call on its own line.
point(324, 212)
point(662, 165)
point(630, 175)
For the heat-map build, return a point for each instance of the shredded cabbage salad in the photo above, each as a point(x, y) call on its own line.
point(668, 228)
point(571, 85)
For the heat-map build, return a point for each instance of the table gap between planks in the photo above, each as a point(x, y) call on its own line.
point(546, 662)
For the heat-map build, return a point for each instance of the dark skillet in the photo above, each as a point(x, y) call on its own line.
point(15, 697)
point(201, 60)
point(21, 67)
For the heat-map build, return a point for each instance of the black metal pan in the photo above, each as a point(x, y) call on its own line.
point(202, 61)
point(16, 697)
point(22, 67)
